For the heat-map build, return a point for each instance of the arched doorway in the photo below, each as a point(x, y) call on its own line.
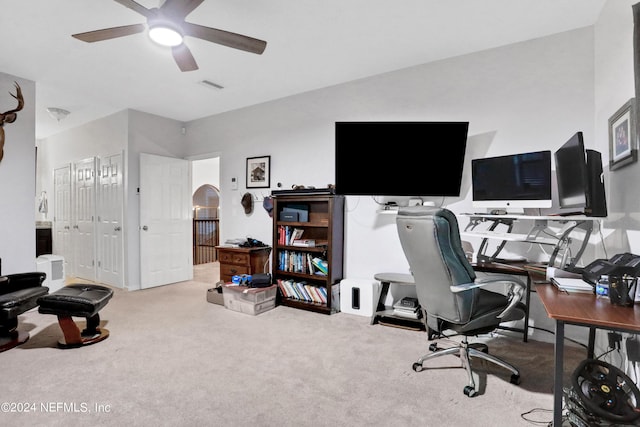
point(206, 235)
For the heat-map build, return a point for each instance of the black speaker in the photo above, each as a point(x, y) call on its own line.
point(596, 198)
point(355, 298)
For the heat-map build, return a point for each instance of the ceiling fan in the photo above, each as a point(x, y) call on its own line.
point(168, 21)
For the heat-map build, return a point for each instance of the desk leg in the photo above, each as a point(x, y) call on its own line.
point(592, 342)
point(526, 310)
point(382, 297)
point(558, 374)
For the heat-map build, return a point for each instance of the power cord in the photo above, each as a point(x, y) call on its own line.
point(538, 422)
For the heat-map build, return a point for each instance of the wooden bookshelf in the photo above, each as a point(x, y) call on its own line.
point(324, 214)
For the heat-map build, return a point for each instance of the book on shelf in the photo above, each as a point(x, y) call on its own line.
point(321, 265)
point(309, 243)
point(296, 234)
point(313, 292)
point(407, 307)
point(306, 243)
point(407, 313)
point(302, 291)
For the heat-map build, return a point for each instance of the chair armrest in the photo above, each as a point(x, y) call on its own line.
point(515, 291)
point(19, 281)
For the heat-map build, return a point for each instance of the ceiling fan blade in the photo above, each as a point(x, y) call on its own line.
point(184, 58)
point(178, 9)
point(109, 33)
point(135, 7)
point(226, 38)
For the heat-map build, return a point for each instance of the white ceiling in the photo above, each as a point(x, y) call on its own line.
point(310, 44)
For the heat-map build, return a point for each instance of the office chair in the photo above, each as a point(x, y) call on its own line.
point(449, 293)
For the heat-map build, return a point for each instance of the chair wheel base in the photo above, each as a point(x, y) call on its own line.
point(470, 391)
point(14, 339)
point(417, 367)
point(515, 379)
point(480, 346)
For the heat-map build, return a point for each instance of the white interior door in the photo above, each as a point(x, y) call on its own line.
point(62, 219)
point(84, 219)
point(110, 201)
point(165, 221)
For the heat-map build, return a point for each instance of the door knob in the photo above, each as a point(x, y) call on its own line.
point(145, 228)
point(117, 229)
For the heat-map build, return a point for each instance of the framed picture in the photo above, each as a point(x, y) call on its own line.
point(259, 172)
point(623, 146)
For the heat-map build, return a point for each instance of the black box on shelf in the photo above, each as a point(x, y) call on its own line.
point(303, 213)
point(288, 216)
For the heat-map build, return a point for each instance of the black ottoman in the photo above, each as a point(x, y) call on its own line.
point(77, 300)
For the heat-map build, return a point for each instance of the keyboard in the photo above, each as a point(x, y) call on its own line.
point(574, 213)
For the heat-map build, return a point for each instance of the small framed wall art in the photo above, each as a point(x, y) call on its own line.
point(259, 172)
point(623, 146)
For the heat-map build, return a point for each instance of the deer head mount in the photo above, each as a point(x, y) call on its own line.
point(10, 116)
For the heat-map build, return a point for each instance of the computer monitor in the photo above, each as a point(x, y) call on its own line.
point(391, 158)
point(512, 181)
point(580, 178)
point(571, 173)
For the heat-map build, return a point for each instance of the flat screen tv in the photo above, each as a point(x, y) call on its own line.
point(415, 159)
point(513, 181)
point(580, 178)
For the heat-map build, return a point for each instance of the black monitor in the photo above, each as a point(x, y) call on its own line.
point(580, 178)
point(412, 159)
point(518, 181)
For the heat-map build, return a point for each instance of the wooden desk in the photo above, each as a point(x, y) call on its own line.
point(582, 310)
point(516, 269)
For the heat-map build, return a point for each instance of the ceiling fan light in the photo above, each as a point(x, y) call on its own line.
point(165, 36)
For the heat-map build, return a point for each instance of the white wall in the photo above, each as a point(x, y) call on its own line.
point(17, 179)
point(205, 171)
point(103, 137)
point(523, 97)
point(614, 85)
point(130, 131)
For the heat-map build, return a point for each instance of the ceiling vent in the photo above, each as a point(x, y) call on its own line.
point(211, 85)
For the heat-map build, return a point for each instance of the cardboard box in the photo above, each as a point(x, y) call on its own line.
point(249, 307)
point(249, 300)
point(214, 295)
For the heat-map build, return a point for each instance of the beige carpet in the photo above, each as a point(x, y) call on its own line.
point(173, 359)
